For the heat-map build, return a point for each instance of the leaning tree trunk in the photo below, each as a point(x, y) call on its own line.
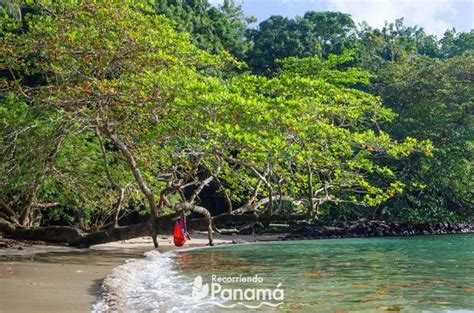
point(140, 181)
point(115, 186)
point(77, 238)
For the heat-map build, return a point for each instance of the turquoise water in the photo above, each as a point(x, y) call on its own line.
point(409, 274)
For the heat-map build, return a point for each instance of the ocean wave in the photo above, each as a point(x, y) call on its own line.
point(151, 284)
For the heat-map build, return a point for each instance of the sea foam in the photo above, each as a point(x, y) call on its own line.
point(151, 284)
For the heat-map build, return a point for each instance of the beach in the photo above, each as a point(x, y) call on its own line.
point(62, 279)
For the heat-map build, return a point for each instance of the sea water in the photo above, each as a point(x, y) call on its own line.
point(406, 274)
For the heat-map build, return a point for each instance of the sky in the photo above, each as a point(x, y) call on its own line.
point(435, 16)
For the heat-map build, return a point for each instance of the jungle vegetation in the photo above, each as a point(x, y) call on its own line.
point(110, 109)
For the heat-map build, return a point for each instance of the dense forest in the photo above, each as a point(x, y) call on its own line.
point(118, 113)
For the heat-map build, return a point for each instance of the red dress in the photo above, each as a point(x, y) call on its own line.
point(179, 237)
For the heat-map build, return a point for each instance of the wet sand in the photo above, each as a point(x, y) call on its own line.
point(61, 279)
point(29, 286)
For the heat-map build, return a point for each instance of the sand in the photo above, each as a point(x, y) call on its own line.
point(61, 279)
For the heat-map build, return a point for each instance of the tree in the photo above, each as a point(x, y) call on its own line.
point(316, 33)
point(25, 163)
point(455, 44)
point(11, 7)
point(394, 42)
point(105, 106)
point(107, 68)
point(329, 32)
point(306, 138)
point(213, 29)
point(276, 38)
point(434, 101)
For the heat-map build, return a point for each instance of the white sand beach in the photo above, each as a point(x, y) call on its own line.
point(63, 279)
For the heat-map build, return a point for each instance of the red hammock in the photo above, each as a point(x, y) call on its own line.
point(180, 231)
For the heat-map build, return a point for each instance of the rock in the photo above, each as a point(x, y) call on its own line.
point(366, 228)
point(238, 241)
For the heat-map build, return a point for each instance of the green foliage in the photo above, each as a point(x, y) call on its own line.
point(79, 65)
point(213, 29)
point(77, 76)
point(316, 33)
point(28, 139)
point(434, 100)
point(394, 42)
point(308, 117)
point(455, 44)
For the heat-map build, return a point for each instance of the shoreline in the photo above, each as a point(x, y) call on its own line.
point(57, 278)
point(374, 228)
point(48, 278)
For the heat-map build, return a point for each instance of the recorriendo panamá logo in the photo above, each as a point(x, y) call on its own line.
point(218, 293)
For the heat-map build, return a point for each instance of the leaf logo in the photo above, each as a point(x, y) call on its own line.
point(200, 291)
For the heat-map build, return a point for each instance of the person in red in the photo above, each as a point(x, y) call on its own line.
point(181, 231)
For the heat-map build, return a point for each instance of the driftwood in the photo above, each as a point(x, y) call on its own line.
point(163, 224)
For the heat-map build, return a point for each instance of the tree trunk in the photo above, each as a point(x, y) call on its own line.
point(118, 207)
point(77, 238)
point(6, 225)
point(25, 215)
point(138, 178)
point(199, 210)
point(115, 186)
point(310, 190)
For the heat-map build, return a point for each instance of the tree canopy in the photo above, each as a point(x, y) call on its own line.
point(213, 28)
point(316, 33)
point(110, 107)
point(433, 99)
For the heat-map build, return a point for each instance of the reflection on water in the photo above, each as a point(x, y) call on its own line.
point(426, 273)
